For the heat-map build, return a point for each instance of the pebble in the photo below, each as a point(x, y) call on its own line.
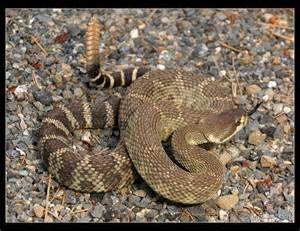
point(253, 89)
point(67, 71)
point(225, 157)
point(67, 94)
point(161, 67)
point(98, 211)
point(227, 202)
point(223, 215)
point(23, 172)
point(164, 55)
point(78, 92)
point(287, 110)
point(269, 93)
point(267, 161)
point(277, 108)
point(278, 133)
point(197, 211)
point(234, 151)
point(134, 33)
point(70, 197)
point(165, 20)
point(235, 169)
point(38, 210)
point(256, 137)
point(140, 193)
point(45, 97)
point(272, 84)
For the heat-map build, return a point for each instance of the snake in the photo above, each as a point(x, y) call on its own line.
point(172, 105)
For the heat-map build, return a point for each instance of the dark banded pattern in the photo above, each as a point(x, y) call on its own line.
point(106, 79)
point(119, 78)
point(74, 169)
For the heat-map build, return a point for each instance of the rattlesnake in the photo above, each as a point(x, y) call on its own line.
point(162, 103)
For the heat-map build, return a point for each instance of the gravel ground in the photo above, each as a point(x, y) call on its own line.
point(45, 65)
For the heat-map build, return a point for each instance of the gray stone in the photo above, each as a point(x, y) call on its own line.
point(98, 211)
point(23, 172)
point(282, 214)
point(278, 134)
point(70, 197)
point(78, 92)
point(45, 97)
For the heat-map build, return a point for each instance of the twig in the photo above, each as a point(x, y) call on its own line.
point(151, 15)
point(282, 36)
point(230, 47)
point(63, 199)
point(34, 39)
point(149, 44)
point(54, 195)
point(277, 26)
point(279, 114)
point(78, 211)
point(47, 198)
point(54, 215)
point(35, 80)
point(236, 77)
point(216, 63)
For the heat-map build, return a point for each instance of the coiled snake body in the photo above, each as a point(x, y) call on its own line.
point(191, 109)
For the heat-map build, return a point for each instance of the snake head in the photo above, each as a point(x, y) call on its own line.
point(223, 126)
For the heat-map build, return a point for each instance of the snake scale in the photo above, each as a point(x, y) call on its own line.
point(161, 104)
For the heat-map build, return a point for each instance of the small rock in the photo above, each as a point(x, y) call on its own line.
point(267, 161)
point(140, 216)
point(217, 50)
point(270, 93)
point(161, 66)
point(23, 173)
point(269, 130)
point(67, 94)
point(235, 169)
point(277, 108)
point(98, 211)
point(225, 157)
point(164, 55)
point(234, 152)
point(278, 133)
point(78, 92)
point(38, 210)
point(266, 57)
point(282, 214)
point(287, 110)
point(58, 78)
point(165, 20)
point(256, 137)
point(197, 211)
point(276, 60)
point(272, 84)
point(67, 71)
point(267, 17)
point(228, 201)
point(222, 73)
point(253, 89)
point(70, 197)
point(223, 215)
point(73, 30)
point(134, 33)
point(48, 219)
point(45, 97)
point(140, 193)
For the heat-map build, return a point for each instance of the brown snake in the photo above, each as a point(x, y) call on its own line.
point(191, 109)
